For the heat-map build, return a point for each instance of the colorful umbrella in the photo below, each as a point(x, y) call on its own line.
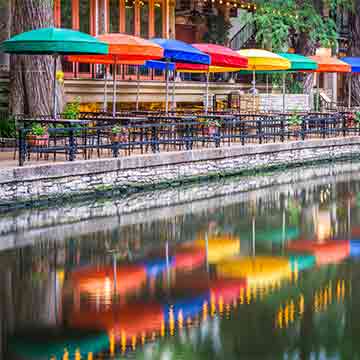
point(103, 60)
point(54, 41)
point(179, 52)
point(258, 271)
point(218, 247)
point(328, 64)
point(325, 253)
point(103, 281)
point(263, 60)
point(354, 62)
point(223, 59)
point(125, 49)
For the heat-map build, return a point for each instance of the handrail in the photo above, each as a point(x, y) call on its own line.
point(243, 36)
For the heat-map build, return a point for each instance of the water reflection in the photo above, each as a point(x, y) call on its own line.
point(275, 276)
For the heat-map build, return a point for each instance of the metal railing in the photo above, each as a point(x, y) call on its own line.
point(96, 139)
point(243, 36)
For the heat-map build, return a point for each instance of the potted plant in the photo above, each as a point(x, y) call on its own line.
point(212, 126)
point(294, 122)
point(38, 136)
point(118, 134)
point(72, 110)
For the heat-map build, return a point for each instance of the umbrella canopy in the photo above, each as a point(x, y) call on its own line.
point(48, 41)
point(218, 247)
point(223, 56)
point(325, 253)
point(259, 270)
point(129, 47)
point(264, 60)
point(47, 345)
point(354, 62)
point(330, 64)
point(101, 60)
point(299, 62)
point(178, 51)
point(202, 69)
point(159, 65)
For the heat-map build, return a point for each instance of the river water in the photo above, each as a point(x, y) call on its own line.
point(269, 274)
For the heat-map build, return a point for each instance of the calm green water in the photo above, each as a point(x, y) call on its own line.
point(272, 274)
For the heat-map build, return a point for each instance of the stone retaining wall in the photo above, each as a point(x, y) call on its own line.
point(43, 182)
point(69, 220)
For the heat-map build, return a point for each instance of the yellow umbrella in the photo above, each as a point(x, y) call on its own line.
point(258, 271)
point(219, 247)
point(199, 69)
point(263, 60)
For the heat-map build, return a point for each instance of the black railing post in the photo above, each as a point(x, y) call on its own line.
point(303, 128)
point(22, 147)
point(72, 145)
point(154, 139)
point(282, 130)
point(259, 130)
point(344, 127)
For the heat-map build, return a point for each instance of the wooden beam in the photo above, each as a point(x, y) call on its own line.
point(57, 13)
point(75, 14)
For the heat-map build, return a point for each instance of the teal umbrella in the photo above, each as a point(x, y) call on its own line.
point(53, 41)
point(48, 345)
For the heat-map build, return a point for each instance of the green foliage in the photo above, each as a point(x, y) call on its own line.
point(7, 128)
point(38, 130)
point(72, 110)
point(357, 117)
point(294, 120)
point(281, 24)
point(117, 130)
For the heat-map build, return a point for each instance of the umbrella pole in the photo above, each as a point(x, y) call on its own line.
point(317, 92)
point(350, 88)
point(284, 92)
point(114, 90)
point(105, 89)
point(173, 91)
point(138, 88)
point(54, 90)
point(207, 93)
point(267, 92)
point(254, 87)
point(167, 89)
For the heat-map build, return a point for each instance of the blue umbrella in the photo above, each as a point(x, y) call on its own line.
point(152, 64)
point(354, 62)
point(355, 248)
point(180, 52)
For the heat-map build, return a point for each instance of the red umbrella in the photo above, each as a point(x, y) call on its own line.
point(221, 57)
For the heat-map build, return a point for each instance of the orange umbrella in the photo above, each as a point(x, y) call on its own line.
point(131, 320)
point(327, 253)
point(101, 281)
point(124, 48)
point(331, 65)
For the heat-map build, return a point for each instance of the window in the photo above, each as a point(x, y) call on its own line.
point(144, 18)
point(158, 10)
point(129, 17)
point(84, 16)
point(66, 14)
point(114, 23)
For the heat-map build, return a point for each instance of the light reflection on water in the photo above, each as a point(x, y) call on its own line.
point(274, 276)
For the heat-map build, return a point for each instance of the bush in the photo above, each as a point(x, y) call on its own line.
point(8, 128)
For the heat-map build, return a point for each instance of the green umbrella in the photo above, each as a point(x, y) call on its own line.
point(53, 41)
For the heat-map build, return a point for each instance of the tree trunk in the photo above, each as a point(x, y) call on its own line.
point(31, 77)
point(354, 50)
